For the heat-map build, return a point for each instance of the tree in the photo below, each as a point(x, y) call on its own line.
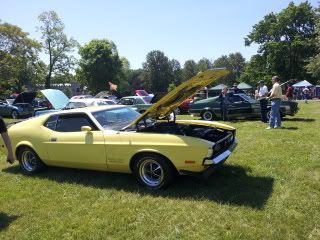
point(177, 72)
point(286, 40)
point(56, 45)
point(235, 63)
point(313, 67)
point(159, 72)
point(204, 64)
point(190, 69)
point(19, 63)
point(99, 64)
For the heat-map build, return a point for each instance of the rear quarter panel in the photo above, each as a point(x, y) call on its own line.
point(30, 133)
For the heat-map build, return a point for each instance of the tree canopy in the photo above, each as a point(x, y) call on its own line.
point(286, 40)
point(159, 71)
point(56, 45)
point(19, 63)
point(99, 64)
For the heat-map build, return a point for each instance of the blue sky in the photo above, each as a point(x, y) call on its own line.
point(183, 30)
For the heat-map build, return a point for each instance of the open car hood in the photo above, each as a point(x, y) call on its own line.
point(25, 97)
point(57, 98)
point(173, 99)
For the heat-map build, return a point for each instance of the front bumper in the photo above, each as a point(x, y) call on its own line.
point(213, 163)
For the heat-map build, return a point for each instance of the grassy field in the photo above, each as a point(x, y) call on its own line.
point(268, 189)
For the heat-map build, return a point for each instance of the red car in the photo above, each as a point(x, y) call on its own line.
point(184, 107)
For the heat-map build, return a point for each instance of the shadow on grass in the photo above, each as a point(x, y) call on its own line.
point(228, 185)
point(6, 220)
point(299, 119)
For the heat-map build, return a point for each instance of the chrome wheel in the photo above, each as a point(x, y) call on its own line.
point(151, 173)
point(207, 115)
point(29, 160)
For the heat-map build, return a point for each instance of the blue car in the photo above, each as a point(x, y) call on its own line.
point(19, 107)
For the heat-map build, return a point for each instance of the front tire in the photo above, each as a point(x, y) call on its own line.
point(153, 171)
point(30, 163)
point(207, 115)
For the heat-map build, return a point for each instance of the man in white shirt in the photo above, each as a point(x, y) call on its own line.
point(262, 96)
point(275, 98)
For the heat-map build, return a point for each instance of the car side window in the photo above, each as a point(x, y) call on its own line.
point(51, 122)
point(126, 101)
point(73, 123)
point(235, 99)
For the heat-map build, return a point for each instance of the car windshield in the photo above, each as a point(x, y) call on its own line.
point(72, 105)
point(116, 118)
point(147, 99)
point(248, 98)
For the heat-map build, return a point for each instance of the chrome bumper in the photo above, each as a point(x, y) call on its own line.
point(222, 156)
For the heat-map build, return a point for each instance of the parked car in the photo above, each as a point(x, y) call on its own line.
point(18, 107)
point(238, 106)
point(87, 102)
point(119, 139)
point(41, 103)
point(184, 107)
point(139, 103)
point(59, 101)
point(81, 96)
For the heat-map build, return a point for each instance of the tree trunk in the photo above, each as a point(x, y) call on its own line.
point(48, 80)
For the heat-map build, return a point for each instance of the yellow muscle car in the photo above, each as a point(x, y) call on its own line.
point(152, 146)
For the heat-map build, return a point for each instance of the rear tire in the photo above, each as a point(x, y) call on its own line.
point(153, 171)
point(14, 114)
point(30, 163)
point(207, 115)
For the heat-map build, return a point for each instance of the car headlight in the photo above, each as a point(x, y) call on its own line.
point(210, 152)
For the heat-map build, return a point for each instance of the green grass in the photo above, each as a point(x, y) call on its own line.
point(268, 189)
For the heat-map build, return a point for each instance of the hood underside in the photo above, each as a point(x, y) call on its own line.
point(57, 98)
point(173, 99)
point(25, 97)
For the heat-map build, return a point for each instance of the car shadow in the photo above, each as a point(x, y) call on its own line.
point(228, 185)
point(299, 119)
point(6, 220)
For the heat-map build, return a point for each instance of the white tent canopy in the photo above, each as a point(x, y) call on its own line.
point(303, 83)
point(244, 86)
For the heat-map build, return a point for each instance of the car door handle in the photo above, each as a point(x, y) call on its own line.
point(53, 139)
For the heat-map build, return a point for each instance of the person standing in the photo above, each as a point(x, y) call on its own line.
point(275, 97)
point(289, 92)
point(305, 94)
point(262, 96)
point(7, 141)
point(236, 89)
point(224, 103)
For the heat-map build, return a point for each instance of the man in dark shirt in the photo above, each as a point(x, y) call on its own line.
point(224, 95)
point(6, 140)
point(236, 89)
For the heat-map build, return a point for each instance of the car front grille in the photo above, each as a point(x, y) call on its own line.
point(223, 144)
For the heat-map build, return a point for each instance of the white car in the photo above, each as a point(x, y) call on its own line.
point(87, 102)
point(81, 96)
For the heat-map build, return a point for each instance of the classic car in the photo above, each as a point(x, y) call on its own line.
point(18, 107)
point(139, 103)
point(239, 105)
point(119, 139)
